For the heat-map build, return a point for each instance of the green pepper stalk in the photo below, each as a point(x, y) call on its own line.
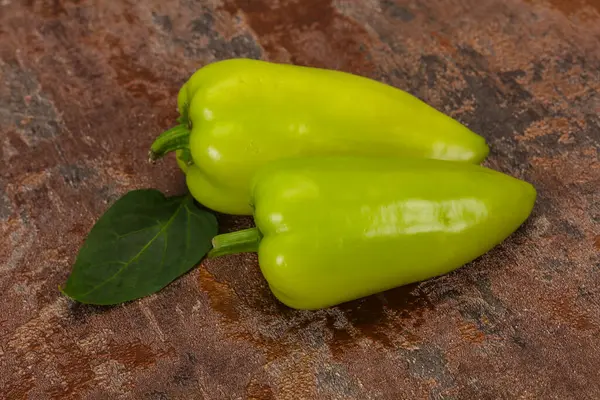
point(176, 138)
point(334, 229)
point(244, 241)
point(239, 114)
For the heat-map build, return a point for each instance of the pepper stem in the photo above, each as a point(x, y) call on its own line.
point(244, 241)
point(176, 138)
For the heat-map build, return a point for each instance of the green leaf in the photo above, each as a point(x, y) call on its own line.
point(140, 245)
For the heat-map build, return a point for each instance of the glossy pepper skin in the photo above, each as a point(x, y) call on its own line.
point(239, 114)
point(330, 230)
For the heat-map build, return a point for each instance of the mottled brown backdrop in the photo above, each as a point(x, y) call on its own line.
point(86, 85)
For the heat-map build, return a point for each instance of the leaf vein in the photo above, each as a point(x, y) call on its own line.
point(137, 231)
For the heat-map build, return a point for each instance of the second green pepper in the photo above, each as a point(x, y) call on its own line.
point(330, 230)
point(239, 114)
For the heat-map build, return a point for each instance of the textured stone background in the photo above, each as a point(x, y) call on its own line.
point(86, 85)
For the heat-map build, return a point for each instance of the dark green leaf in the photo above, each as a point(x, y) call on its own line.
point(141, 244)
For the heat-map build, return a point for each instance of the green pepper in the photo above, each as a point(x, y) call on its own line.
point(239, 114)
point(334, 229)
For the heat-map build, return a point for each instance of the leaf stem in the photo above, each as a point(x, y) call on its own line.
point(244, 241)
point(176, 138)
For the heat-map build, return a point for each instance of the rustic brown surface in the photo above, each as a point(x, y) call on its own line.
point(86, 85)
